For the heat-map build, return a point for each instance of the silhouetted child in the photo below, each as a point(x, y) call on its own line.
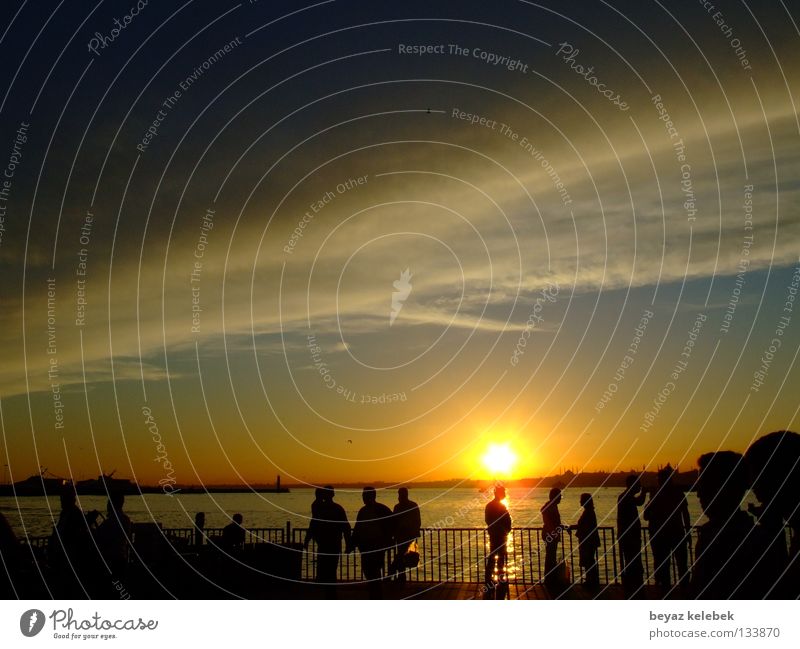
point(728, 546)
point(667, 513)
point(498, 523)
point(588, 542)
point(774, 466)
point(372, 535)
point(629, 535)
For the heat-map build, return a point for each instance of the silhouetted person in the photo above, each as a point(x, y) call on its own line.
point(407, 524)
point(319, 495)
point(729, 546)
point(629, 535)
point(199, 528)
point(498, 523)
point(329, 525)
point(114, 536)
point(588, 542)
point(773, 462)
point(551, 532)
point(372, 535)
point(71, 550)
point(9, 561)
point(667, 513)
point(233, 534)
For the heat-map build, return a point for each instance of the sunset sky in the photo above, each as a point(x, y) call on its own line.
point(561, 243)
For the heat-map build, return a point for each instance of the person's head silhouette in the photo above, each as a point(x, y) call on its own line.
point(555, 495)
point(499, 492)
point(773, 462)
point(368, 495)
point(665, 475)
point(632, 482)
point(238, 518)
point(721, 484)
point(402, 495)
point(116, 500)
point(200, 519)
point(328, 493)
point(68, 497)
point(586, 501)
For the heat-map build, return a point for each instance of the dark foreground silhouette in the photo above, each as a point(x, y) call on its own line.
point(589, 543)
point(729, 546)
point(498, 525)
point(667, 513)
point(407, 526)
point(773, 463)
point(328, 528)
point(555, 578)
point(629, 533)
point(372, 535)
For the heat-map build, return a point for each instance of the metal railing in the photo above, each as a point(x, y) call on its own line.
point(186, 535)
point(458, 554)
point(39, 542)
point(455, 554)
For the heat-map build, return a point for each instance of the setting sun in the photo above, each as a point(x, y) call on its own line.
point(499, 459)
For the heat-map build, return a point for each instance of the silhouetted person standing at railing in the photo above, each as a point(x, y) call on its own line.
point(372, 535)
point(71, 550)
point(554, 573)
point(729, 546)
point(588, 542)
point(199, 528)
point(629, 535)
point(114, 536)
point(233, 534)
point(498, 523)
point(319, 495)
point(667, 513)
point(774, 466)
point(407, 524)
point(329, 525)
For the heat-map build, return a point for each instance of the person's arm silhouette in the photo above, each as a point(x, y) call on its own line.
point(417, 521)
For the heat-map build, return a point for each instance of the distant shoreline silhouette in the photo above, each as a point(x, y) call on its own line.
point(37, 486)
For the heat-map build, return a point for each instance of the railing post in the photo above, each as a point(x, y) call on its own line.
point(288, 538)
point(615, 547)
